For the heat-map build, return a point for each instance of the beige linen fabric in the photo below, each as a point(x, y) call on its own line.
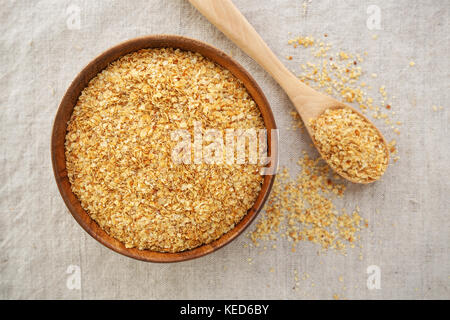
point(42, 247)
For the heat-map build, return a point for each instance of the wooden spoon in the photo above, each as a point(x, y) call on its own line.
point(309, 103)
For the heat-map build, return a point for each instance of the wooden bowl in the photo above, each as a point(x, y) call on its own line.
point(65, 111)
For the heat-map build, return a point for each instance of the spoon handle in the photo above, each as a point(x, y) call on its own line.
point(228, 19)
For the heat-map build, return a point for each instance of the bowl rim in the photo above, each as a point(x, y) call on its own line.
point(67, 105)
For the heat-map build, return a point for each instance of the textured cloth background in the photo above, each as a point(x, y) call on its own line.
point(41, 52)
